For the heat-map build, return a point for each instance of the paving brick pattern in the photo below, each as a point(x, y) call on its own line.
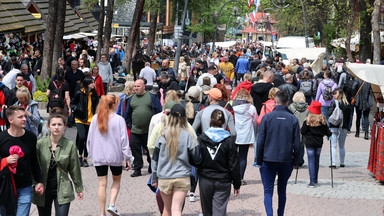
point(355, 191)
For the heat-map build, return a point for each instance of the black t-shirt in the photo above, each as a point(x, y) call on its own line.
point(64, 88)
point(27, 165)
point(52, 174)
point(71, 78)
point(218, 77)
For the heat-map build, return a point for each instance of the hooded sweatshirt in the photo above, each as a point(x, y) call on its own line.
point(321, 90)
point(219, 157)
point(105, 71)
point(243, 85)
point(300, 110)
point(259, 93)
point(245, 118)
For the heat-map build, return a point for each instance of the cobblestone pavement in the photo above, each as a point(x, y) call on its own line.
point(355, 191)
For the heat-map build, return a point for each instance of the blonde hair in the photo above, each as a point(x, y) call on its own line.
point(339, 95)
point(189, 110)
point(245, 95)
point(128, 90)
point(315, 120)
point(106, 106)
point(298, 97)
point(182, 59)
point(24, 92)
point(272, 93)
point(171, 95)
point(247, 76)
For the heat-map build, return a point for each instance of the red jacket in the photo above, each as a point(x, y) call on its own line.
point(243, 85)
point(267, 107)
point(99, 85)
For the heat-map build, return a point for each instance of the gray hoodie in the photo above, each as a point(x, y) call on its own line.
point(33, 121)
point(105, 71)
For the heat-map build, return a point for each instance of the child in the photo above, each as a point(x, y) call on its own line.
point(314, 128)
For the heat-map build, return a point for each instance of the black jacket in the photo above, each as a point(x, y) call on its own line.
point(346, 114)
point(259, 93)
point(314, 135)
point(364, 100)
point(225, 166)
point(79, 104)
point(290, 89)
point(9, 66)
point(170, 85)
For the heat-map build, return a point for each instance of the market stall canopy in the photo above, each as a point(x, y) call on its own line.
point(371, 73)
point(225, 44)
point(15, 17)
point(355, 39)
point(74, 36)
point(309, 53)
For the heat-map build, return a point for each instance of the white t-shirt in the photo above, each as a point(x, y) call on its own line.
point(149, 74)
point(200, 80)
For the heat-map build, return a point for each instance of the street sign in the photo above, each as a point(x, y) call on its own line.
point(273, 34)
point(273, 37)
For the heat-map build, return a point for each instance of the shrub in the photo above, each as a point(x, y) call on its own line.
point(40, 96)
point(42, 85)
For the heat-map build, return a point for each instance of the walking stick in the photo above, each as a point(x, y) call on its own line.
point(297, 172)
point(330, 148)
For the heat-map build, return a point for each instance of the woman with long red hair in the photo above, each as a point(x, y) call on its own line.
point(108, 146)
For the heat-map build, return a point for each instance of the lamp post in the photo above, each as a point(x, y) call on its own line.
point(178, 51)
point(218, 18)
point(282, 2)
point(281, 27)
point(268, 22)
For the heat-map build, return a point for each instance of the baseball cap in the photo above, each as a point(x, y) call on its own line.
point(215, 93)
point(168, 106)
point(194, 91)
point(178, 110)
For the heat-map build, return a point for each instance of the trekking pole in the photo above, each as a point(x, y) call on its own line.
point(297, 172)
point(330, 148)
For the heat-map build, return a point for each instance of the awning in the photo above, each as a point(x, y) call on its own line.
point(226, 44)
point(370, 73)
point(74, 36)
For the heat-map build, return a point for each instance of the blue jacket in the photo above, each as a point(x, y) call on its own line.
point(242, 65)
point(279, 137)
point(156, 108)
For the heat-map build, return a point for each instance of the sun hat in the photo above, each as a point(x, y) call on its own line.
point(315, 107)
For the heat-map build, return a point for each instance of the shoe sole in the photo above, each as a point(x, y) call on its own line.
point(112, 212)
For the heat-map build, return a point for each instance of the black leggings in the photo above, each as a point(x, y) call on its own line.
point(81, 138)
point(358, 118)
point(51, 196)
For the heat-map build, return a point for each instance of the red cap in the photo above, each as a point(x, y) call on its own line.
point(315, 107)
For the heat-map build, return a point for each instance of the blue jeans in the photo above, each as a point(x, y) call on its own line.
point(339, 135)
point(313, 163)
point(24, 199)
point(242, 157)
point(268, 171)
point(324, 111)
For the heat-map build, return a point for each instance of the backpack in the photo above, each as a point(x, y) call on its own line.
point(327, 95)
point(306, 88)
point(347, 85)
point(337, 116)
point(55, 97)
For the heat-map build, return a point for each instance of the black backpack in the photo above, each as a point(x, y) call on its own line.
point(55, 97)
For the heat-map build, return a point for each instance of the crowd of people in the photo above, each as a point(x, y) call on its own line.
point(193, 126)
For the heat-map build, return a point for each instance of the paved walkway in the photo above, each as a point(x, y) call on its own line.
point(355, 191)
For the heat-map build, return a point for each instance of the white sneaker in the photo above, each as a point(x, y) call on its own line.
point(192, 197)
point(113, 211)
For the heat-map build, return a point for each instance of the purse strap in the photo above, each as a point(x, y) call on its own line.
point(359, 90)
point(54, 158)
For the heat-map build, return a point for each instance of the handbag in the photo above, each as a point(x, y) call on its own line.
point(8, 190)
point(354, 98)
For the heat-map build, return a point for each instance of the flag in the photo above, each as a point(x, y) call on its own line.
point(250, 3)
point(253, 17)
point(257, 3)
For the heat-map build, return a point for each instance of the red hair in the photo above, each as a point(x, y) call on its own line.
point(224, 91)
point(107, 105)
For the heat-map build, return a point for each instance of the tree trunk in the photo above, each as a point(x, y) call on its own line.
point(100, 31)
point(376, 32)
point(365, 48)
point(46, 68)
point(152, 33)
point(133, 32)
point(349, 30)
point(108, 26)
point(58, 42)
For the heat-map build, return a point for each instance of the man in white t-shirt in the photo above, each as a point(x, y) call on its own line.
point(149, 74)
point(211, 72)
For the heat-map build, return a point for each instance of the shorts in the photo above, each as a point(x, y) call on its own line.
point(103, 170)
point(167, 186)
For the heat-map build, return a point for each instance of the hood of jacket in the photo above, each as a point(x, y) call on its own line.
point(246, 85)
point(213, 136)
point(300, 106)
point(328, 82)
point(241, 106)
point(238, 102)
point(106, 63)
point(32, 102)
